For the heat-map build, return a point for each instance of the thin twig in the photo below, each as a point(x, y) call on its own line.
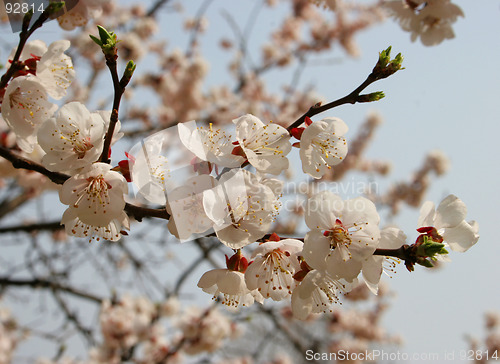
point(352, 98)
point(44, 283)
point(156, 6)
point(28, 228)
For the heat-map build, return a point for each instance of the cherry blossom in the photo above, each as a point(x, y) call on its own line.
point(50, 65)
point(209, 144)
point(55, 69)
point(81, 13)
point(126, 322)
point(430, 20)
point(24, 108)
point(150, 171)
point(322, 145)
point(341, 230)
point(32, 50)
point(96, 199)
point(109, 231)
point(274, 264)
point(204, 331)
point(317, 292)
point(185, 205)
point(449, 221)
point(8, 336)
point(241, 208)
point(265, 146)
point(72, 139)
point(230, 285)
point(150, 174)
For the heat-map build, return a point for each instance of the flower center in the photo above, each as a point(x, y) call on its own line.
point(81, 146)
point(340, 238)
point(96, 192)
point(214, 139)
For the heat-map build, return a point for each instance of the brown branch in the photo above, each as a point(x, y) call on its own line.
point(19, 162)
point(13, 203)
point(156, 6)
point(28, 228)
point(119, 90)
point(403, 253)
point(71, 316)
point(196, 30)
point(352, 98)
point(42, 283)
point(22, 163)
point(139, 213)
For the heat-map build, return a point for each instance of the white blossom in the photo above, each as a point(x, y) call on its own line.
point(241, 208)
point(150, 170)
point(24, 108)
point(317, 292)
point(322, 145)
point(81, 13)
point(449, 221)
point(49, 65)
point(343, 234)
point(185, 205)
point(274, 264)
point(230, 285)
point(72, 139)
point(96, 199)
point(204, 331)
point(209, 144)
point(33, 49)
point(430, 20)
point(265, 146)
point(126, 322)
point(55, 69)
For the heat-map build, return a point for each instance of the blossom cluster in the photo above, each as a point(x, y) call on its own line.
point(219, 196)
point(69, 140)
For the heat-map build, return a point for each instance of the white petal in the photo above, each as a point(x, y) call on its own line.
point(316, 249)
point(461, 237)
point(427, 214)
point(336, 125)
point(337, 268)
point(359, 210)
point(372, 271)
point(450, 212)
point(323, 209)
point(391, 238)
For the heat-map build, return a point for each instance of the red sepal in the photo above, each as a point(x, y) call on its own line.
point(274, 237)
point(297, 132)
point(238, 151)
point(237, 262)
